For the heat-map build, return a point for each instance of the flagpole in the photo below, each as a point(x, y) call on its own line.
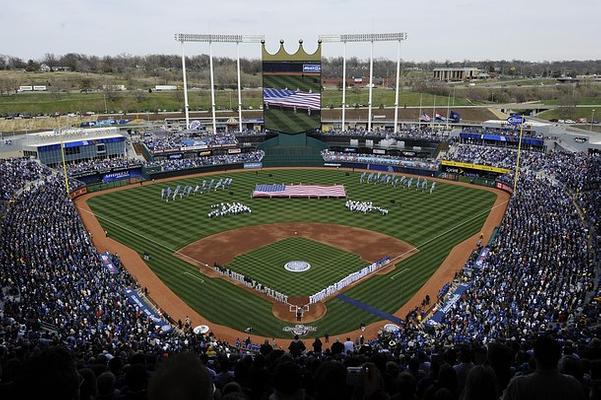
point(448, 109)
point(434, 112)
point(517, 165)
point(419, 115)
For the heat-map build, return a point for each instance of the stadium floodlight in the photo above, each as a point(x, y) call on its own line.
point(370, 38)
point(209, 38)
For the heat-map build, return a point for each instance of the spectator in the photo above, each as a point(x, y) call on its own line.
point(546, 383)
point(181, 377)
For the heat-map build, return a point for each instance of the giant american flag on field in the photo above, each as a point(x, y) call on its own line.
point(291, 98)
point(281, 190)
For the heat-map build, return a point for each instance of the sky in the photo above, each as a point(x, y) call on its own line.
point(534, 30)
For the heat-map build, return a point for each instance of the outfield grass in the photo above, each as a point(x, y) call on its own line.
point(328, 265)
point(292, 82)
point(432, 223)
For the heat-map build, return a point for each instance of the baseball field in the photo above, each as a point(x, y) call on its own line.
point(420, 227)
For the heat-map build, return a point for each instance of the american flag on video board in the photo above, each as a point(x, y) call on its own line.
point(291, 98)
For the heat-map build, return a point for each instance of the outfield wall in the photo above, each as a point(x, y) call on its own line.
point(151, 175)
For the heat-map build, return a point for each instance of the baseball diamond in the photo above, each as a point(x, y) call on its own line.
point(431, 223)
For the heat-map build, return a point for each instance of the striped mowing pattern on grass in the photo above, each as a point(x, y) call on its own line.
point(328, 265)
point(138, 218)
point(287, 120)
point(292, 82)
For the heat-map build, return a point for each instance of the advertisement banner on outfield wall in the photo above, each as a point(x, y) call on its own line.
point(255, 165)
point(78, 192)
point(122, 175)
point(478, 167)
point(503, 186)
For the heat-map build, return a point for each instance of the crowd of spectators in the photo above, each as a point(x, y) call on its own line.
point(197, 162)
point(101, 165)
point(407, 162)
point(55, 291)
point(16, 173)
point(250, 132)
point(501, 157)
point(421, 132)
point(511, 132)
point(526, 328)
point(161, 140)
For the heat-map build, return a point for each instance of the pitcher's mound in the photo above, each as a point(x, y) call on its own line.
point(282, 310)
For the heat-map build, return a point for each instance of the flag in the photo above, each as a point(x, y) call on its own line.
point(292, 98)
point(455, 117)
point(281, 190)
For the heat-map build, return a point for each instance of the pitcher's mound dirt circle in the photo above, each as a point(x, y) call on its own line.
point(222, 247)
point(282, 310)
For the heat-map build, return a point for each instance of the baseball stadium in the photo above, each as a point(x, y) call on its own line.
point(290, 247)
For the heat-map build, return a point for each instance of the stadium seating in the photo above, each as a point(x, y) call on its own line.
point(529, 313)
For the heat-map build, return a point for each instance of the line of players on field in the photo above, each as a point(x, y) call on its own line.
point(395, 181)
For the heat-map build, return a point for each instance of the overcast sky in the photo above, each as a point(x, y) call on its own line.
point(438, 29)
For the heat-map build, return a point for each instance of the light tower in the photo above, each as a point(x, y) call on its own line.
point(371, 38)
point(210, 39)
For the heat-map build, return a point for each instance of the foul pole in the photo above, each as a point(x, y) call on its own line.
point(65, 168)
point(517, 164)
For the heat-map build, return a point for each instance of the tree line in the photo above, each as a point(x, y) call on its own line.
point(331, 67)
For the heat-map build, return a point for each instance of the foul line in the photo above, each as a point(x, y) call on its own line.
point(444, 233)
point(194, 276)
point(142, 236)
